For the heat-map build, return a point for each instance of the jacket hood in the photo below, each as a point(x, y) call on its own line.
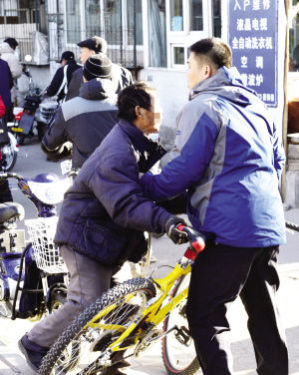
point(228, 84)
point(97, 89)
point(5, 48)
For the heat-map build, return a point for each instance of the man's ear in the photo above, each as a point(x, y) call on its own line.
point(138, 111)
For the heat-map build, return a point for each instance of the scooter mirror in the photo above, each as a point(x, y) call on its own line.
point(28, 58)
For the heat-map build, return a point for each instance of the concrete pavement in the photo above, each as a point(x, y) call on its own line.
point(12, 362)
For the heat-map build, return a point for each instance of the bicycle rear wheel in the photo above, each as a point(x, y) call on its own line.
point(178, 351)
point(99, 325)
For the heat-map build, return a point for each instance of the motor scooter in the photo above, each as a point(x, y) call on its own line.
point(33, 277)
point(37, 113)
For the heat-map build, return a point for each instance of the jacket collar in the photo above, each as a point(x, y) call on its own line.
point(139, 140)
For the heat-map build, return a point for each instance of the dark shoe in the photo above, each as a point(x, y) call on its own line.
point(33, 353)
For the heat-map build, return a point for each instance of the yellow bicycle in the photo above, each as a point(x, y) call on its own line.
point(128, 319)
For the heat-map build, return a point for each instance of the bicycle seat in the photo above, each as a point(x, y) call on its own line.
point(11, 210)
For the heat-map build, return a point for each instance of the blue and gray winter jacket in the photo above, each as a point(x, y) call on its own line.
point(230, 158)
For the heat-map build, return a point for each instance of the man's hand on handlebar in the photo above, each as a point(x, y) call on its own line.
point(176, 235)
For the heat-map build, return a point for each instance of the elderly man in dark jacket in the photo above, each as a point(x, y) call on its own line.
point(87, 119)
point(89, 47)
point(104, 215)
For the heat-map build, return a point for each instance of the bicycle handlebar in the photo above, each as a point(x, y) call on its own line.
point(197, 242)
point(5, 176)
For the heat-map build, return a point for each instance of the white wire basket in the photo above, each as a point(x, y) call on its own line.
point(41, 234)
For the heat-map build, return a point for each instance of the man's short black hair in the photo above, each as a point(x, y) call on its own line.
point(215, 50)
point(137, 94)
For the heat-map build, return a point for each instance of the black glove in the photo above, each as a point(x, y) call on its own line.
point(177, 236)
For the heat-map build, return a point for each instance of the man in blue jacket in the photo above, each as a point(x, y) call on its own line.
point(229, 158)
point(104, 215)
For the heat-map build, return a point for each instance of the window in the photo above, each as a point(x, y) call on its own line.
point(196, 21)
point(113, 21)
point(73, 21)
point(93, 18)
point(176, 15)
point(294, 44)
point(157, 33)
point(216, 18)
point(134, 15)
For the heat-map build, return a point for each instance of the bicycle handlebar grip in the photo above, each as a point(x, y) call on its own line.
point(197, 242)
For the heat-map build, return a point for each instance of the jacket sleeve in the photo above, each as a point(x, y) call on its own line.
point(279, 154)
point(55, 84)
point(15, 67)
point(56, 135)
point(188, 168)
point(115, 183)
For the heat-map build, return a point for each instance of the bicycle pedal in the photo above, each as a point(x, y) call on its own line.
point(182, 334)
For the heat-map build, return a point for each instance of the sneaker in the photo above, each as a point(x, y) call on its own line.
point(33, 353)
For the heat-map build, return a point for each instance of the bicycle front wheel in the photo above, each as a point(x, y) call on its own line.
point(78, 348)
point(178, 351)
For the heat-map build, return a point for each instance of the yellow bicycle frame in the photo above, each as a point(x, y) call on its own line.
point(153, 313)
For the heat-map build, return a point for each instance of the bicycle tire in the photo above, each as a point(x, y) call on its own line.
point(178, 364)
point(77, 329)
point(10, 154)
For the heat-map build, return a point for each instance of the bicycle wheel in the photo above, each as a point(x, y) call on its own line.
point(9, 154)
point(178, 351)
point(96, 328)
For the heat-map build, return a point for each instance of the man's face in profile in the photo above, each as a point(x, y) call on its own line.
point(150, 120)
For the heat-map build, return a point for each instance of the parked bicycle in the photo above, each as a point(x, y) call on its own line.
point(127, 319)
point(32, 278)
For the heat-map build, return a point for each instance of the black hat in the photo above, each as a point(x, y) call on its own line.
point(96, 43)
point(97, 66)
point(12, 42)
point(67, 55)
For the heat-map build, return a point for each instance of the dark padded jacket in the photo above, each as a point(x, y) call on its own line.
point(6, 83)
point(121, 79)
point(85, 121)
point(55, 86)
point(104, 213)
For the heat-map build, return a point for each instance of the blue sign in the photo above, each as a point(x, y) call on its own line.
point(253, 26)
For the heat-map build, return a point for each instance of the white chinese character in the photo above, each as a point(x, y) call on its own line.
point(237, 5)
point(241, 43)
point(256, 5)
point(259, 79)
point(269, 42)
point(246, 4)
point(247, 24)
point(254, 43)
point(235, 43)
point(266, 4)
point(268, 97)
point(259, 62)
point(248, 43)
point(255, 24)
point(262, 43)
point(244, 78)
point(263, 24)
point(264, 97)
point(251, 80)
point(244, 61)
point(240, 24)
point(260, 96)
point(272, 98)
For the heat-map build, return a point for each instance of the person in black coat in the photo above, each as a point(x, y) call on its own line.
point(89, 47)
point(104, 214)
point(62, 78)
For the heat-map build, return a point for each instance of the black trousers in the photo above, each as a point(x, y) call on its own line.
point(220, 274)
